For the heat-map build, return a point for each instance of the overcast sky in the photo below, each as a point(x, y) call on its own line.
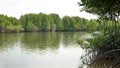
point(16, 8)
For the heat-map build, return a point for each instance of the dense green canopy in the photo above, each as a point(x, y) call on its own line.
point(103, 8)
point(9, 24)
point(43, 22)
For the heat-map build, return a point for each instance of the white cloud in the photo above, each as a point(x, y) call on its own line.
point(62, 7)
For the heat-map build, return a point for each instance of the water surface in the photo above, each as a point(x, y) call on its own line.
point(40, 50)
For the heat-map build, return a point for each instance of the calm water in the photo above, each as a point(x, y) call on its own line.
point(41, 50)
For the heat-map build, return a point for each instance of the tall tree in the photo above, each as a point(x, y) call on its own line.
point(56, 21)
point(66, 23)
point(45, 24)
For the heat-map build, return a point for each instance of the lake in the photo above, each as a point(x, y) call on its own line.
point(41, 50)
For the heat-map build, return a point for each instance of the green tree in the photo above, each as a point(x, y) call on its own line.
point(30, 22)
point(105, 9)
point(23, 20)
point(77, 23)
point(66, 23)
point(108, 11)
point(45, 24)
point(56, 23)
point(31, 27)
point(9, 24)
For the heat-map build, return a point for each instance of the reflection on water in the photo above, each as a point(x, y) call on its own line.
point(40, 50)
point(7, 41)
point(40, 41)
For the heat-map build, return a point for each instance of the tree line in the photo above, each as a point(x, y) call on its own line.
point(42, 22)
